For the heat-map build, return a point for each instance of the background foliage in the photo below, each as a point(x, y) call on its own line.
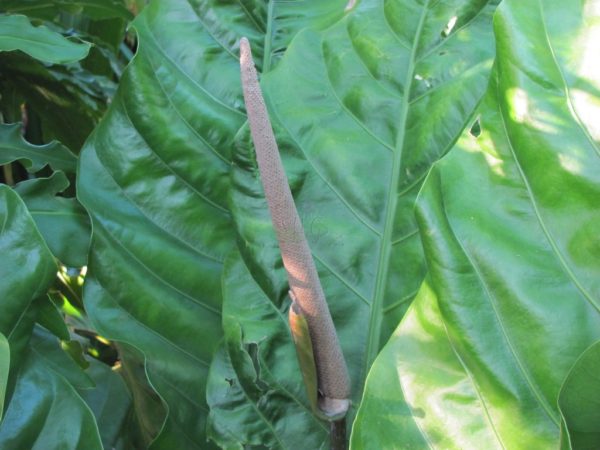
point(444, 160)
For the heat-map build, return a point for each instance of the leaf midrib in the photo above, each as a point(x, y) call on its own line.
point(392, 202)
point(268, 42)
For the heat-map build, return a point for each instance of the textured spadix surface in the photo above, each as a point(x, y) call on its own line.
point(154, 177)
point(360, 112)
point(305, 286)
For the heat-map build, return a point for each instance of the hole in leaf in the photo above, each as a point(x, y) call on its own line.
point(419, 77)
point(449, 27)
point(475, 129)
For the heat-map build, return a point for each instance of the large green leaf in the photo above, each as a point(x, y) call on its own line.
point(17, 33)
point(358, 111)
point(255, 393)
point(62, 221)
point(42, 408)
point(379, 80)
point(578, 403)
point(45, 411)
point(154, 177)
point(509, 226)
point(26, 269)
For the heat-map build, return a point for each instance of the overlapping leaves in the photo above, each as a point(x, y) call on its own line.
point(41, 377)
point(51, 73)
point(508, 224)
point(348, 105)
point(365, 100)
point(155, 177)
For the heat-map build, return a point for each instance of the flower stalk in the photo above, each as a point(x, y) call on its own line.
point(307, 295)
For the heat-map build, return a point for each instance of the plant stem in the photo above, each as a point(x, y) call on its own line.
point(8, 175)
point(337, 433)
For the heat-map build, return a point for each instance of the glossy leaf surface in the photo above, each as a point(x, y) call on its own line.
point(62, 221)
point(154, 177)
point(26, 269)
point(374, 83)
point(14, 148)
point(68, 100)
point(578, 403)
point(508, 222)
point(353, 109)
point(110, 402)
point(17, 33)
point(45, 411)
point(42, 409)
point(256, 393)
point(96, 9)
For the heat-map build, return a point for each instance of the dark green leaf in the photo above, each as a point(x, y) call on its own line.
point(42, 410)
point(256, 393)
point(47, 348)
point(102, 23)
point(111, 403)
point(508, 222)
point(357, 110)
point(45, 411)
point(49, 9)
point(149, 410)
point(17, 33)
point(155, 178)
point(14, 148)
point(75, 350)
point(579, 403)
point(63, 222)
point(68, 100)
point(52, 320)
point(26, 269)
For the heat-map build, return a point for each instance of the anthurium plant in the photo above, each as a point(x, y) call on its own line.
point(299, 224)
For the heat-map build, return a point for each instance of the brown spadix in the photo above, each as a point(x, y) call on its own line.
point(306, 291)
